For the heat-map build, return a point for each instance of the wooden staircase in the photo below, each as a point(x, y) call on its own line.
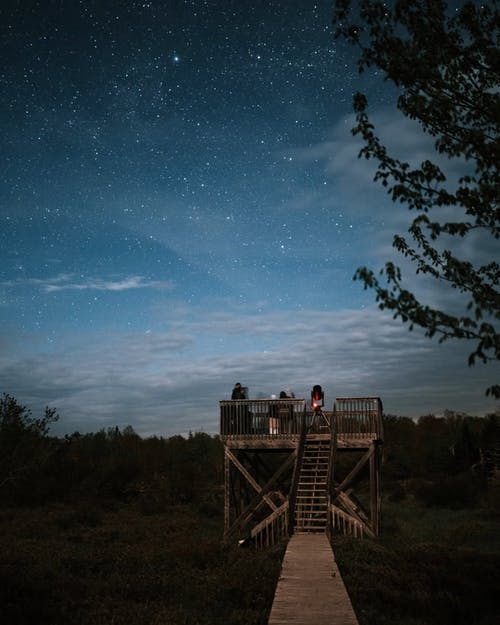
point(311, 504)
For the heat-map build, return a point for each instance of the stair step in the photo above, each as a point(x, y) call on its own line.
point(319, 506)
point(313, 515)
point(312, 493)
point(316, 450)
point(311, 498)
point(324, 451)
point(315, 454)
point(312, 484)
point(311, 506)
point(310, 514)
point(312, 476)
point(307, 504)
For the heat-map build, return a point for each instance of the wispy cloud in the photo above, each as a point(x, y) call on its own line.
point(67, 282)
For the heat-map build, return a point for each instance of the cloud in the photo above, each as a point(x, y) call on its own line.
point(67, 282)
point(170, 382)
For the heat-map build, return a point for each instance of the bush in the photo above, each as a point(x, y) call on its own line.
point(25, 451)
point(492, 498)
point(455, 492)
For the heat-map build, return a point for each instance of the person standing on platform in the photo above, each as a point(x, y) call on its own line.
point(240, 417)
point(286, 413)
point(238, 392)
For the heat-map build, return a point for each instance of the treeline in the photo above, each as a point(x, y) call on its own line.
point(36, 467)
point(442, 461)
point(447, 461)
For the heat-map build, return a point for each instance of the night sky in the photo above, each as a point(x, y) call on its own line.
point(182, 208)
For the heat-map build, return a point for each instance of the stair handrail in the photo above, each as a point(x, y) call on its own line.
point(278, 523)
point(331, 465)
point(343, 521)
point(296, 472)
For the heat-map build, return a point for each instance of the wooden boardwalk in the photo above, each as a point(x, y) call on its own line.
point(310, 590)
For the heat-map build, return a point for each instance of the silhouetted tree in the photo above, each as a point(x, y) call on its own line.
point(24, 444)
point(445, 63)
point(401, 450)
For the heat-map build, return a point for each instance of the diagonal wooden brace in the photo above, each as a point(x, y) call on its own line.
point(258, 501)
point(250, 479)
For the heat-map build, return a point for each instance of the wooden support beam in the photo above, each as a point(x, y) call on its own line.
point(353, 507)
point(257, 502)
point(354, 472)
point(375, 487)
point(227, 493)
point(250, 479)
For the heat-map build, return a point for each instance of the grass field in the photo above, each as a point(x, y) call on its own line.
point(91, 566)
point(429, 566)
point(121, 564)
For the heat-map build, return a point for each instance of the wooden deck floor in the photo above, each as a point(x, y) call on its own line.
point(310, 590)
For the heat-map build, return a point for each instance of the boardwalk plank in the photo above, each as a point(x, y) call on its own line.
point(310, 590)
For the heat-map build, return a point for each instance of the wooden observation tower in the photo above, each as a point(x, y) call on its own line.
point(290, 468)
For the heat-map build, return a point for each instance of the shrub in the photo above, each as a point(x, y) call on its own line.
point(457, 491)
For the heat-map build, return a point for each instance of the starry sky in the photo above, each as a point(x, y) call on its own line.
point(182, 207)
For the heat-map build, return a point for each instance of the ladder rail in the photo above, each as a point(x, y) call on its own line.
point(311, 502)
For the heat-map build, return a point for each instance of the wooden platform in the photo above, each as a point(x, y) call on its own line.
point(310, 590)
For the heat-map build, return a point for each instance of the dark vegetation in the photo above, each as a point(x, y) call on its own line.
point(110, 527)
point(438, 555)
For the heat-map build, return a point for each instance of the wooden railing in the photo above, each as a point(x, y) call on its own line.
point(273, 528)
point(344, 523)
point(352, 418)
point(358, 417)
point(262, 418)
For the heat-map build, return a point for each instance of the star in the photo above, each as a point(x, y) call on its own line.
point(188, 177)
